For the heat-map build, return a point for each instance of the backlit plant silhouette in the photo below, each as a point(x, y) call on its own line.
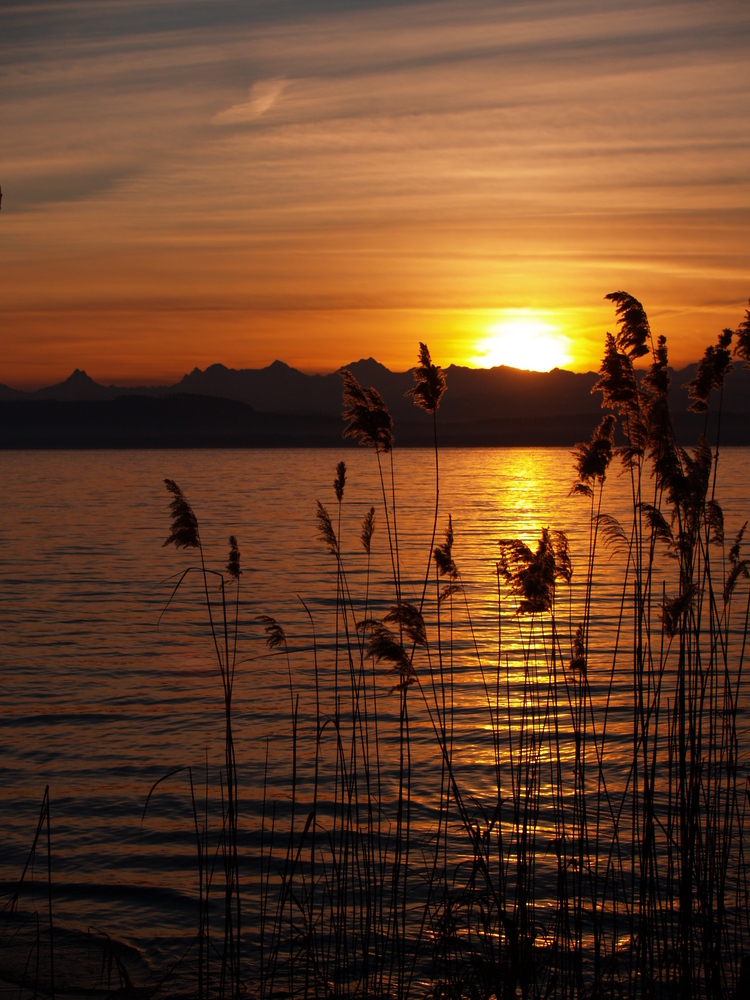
point(602, 853)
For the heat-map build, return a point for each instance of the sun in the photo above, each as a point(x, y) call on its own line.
point(521, 338)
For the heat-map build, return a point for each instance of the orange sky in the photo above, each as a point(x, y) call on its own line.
point(191, 182)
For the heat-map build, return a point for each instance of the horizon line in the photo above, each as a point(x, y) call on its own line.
point(163, 381)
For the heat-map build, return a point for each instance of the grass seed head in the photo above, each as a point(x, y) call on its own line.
point(675, 610)
point(410, 619)
point(366, 414)
point(713, 368)
point(368, 527)
point(742, 347)
point(429, 382)
point(634, 333)
point(340, 481)
point(593, 457)
point(184, 532)
point(275, 636)
point(578, 658)
point(325, 529)
point(443, 554)
point(617, 382)
point(384, 645)
point(532, 575)
point(233, 563)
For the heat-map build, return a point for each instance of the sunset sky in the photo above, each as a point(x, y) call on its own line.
point(209, 180)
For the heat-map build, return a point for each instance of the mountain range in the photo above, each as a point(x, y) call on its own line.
point(281, 406)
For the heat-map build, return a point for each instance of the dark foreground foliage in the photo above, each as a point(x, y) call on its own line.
point(601, 852)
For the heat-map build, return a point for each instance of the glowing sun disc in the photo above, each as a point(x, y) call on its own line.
point(522, 340)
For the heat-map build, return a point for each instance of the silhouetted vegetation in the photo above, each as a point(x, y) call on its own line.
point(596, 847)
point(591, 869)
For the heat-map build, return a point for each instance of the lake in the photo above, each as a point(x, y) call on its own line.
point(107, 685)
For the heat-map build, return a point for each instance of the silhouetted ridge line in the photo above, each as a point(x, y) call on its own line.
point(286, 407)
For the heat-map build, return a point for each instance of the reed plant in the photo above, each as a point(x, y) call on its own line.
point(601, 852)
point(222, 610)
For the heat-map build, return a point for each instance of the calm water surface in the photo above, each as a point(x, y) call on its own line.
point(104, 692)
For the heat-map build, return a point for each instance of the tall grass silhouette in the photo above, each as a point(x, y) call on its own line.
point(608, 858)
point(184, 533)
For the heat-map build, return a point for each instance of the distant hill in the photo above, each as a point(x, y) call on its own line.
point(179, 420)
point(278, 406)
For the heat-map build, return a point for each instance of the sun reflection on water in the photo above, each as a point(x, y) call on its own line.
point(123, 701)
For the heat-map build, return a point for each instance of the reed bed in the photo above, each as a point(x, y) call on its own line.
point(589, 848)
point(591, 863)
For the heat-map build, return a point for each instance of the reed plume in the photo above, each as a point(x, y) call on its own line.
point(233, 563)
point(368, 529)
point(367, 418)
point(714, 366)
point(532, 575)
point(742, 347)
point(427, 391)
point(443, 554)
point(619, 388)
point(184, 532)
point(325, 529)
point(340, 481)
point(739, 569)
point(409, 619)
point(385, 645)
point(366, 415)
point(593, 458)
point(429, 382)
point(634, 333)
point(275, 635)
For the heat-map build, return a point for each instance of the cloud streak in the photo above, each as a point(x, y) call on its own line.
point(399, 159)
point(261, 98)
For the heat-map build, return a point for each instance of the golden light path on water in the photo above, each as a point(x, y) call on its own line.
point(105, 692)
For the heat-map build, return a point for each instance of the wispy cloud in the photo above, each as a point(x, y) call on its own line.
point(351, 157)
point(261, 98)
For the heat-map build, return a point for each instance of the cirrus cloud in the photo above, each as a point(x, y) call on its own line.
point(261, 98)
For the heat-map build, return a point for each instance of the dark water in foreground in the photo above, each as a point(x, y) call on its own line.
point(103, 693)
